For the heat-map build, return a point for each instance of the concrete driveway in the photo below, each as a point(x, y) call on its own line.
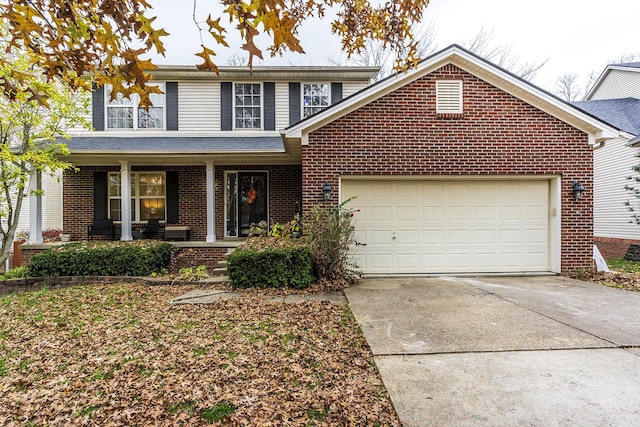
point(504, 351)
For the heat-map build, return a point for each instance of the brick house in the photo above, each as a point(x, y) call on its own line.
point(457, 166)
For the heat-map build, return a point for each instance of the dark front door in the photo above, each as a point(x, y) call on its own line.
point(252, 200)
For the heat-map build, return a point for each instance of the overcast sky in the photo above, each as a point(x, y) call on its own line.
point(573, 36)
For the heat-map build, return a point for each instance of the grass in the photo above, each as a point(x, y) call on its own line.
point(619, 264)
point(121, 355)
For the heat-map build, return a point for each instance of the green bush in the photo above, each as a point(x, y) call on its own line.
point(270, 263)
point(139, 258)
point(330, 234)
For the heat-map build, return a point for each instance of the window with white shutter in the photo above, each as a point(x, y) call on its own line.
point(449, 97)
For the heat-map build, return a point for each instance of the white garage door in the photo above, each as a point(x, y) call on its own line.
point(450, 226)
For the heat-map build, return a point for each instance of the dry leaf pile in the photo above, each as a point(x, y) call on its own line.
point(616, 279)
point(121, 355)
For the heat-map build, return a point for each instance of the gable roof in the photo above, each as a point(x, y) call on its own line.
point(633, 67)
point(623, 113)
point(475, 65)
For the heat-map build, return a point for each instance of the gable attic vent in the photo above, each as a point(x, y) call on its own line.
point(449, 97)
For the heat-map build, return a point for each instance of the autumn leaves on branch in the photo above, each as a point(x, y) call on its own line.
point(108, 39)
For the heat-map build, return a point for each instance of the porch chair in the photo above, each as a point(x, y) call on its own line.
point(150, 231)
point(101, 227)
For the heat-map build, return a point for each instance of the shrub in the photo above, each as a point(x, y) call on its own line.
point(139, 258)
point(263, 263)
point(331, 236)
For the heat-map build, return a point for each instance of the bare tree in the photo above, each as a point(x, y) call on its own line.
point(501, 55)
point(237, 60)
point(574, 87)
point(568, 88)
point(373, 54)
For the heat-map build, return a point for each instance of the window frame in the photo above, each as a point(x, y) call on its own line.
point(235, 106)
point(135, 106)
point(303, 107)
point(136, 198)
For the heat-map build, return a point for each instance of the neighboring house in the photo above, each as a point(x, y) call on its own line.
point(615, 99)
point(457, 166)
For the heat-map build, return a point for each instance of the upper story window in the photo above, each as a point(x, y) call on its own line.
point(315, 97)
point(449, 97)
point(247, 108)
point(123, 113)
point(148, 196)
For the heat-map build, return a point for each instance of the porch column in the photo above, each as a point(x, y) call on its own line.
point(125, 200)
point(35, 207)
point(211, 205)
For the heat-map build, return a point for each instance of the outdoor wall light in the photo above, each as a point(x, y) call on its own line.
point(578, 189)
point(327, 190)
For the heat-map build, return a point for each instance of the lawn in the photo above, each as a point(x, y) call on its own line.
point(622, 275)
point(121, 355)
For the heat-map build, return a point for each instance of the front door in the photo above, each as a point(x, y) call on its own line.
point(246, 201)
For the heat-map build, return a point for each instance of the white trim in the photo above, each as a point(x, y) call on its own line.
point(555, 224)
point(125, 200)
point(233, 105)
point(476, 66)
point(225, 196)
point(301, 100)
point(135, 106)
point(555, 197)
point(211, 207)
point(35, 207)
point(449, 97)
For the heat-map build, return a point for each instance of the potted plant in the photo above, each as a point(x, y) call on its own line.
point(65, 237)
point(51, 234)
point(296, 229)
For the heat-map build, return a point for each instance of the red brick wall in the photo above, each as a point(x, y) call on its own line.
point(611, 247)
point(284, 191)
point(400, 134)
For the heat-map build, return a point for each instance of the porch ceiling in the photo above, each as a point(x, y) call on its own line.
point(87, 151)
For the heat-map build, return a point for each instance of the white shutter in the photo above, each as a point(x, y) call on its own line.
point(449, 97)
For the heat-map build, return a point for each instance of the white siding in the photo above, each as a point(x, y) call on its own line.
point(282, 105)
point(52, 202)
point(51, 205)
point(619, 84)
point(612, 166)
point(198, 106)
point(349, 88)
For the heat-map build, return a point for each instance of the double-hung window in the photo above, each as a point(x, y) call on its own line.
point(123, 113)
point(315, 97)
point(248, 114)
point(148, 196)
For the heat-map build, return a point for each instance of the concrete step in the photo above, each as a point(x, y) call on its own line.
point(219, 271)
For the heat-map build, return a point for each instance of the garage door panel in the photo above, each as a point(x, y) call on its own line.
point(510, 236)
point(381, 261)
point(484, 213)
point(407, 213)
point(459, 213)
point(457, 226)
point(408, 261)
point(433, 213)
point(379, 213)
point(379, 237)
point(407, 237)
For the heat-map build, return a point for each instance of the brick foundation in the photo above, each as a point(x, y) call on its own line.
point(611, 247)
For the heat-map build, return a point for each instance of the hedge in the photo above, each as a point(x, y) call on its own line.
point(278, 267)
point(136, 258)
